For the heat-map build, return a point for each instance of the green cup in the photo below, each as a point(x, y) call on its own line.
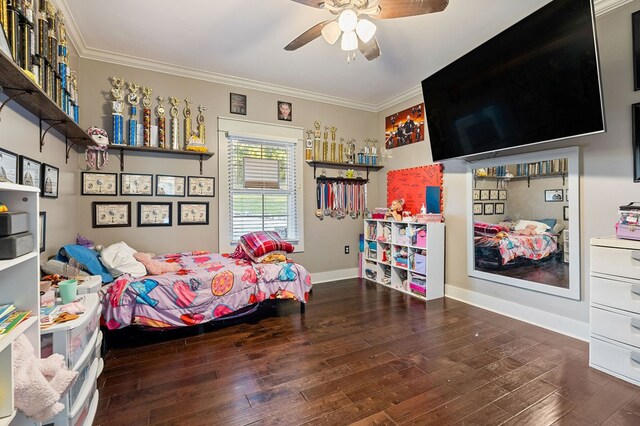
point(68, 290)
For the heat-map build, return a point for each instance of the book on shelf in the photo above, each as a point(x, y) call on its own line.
point(5, 310)
point(12, 322)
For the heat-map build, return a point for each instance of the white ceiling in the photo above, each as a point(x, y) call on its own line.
point(240, 42)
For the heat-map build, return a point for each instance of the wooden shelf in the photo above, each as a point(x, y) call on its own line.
point(24, 91)
point(150, 149)
point(341, 179)
point(343, 166)
point(6, 421)
point(17, 331)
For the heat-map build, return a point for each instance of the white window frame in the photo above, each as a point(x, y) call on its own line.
point(255, 130)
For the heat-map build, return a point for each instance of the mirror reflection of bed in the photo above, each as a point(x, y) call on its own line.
point(520, 223)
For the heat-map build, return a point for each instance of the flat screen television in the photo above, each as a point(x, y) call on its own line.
point(537, 81)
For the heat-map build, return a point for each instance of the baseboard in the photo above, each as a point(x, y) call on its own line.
point(341, 274)
point(553, 322)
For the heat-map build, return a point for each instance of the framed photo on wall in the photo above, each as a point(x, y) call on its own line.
point(502, 194)
point(477, 208)
point(499, 208)
point(42, 231)
point(488, 208)
point(553, 195)
point(170, 186)
point(285, 110)
point(136, 184)
point(237, 103)
point(565, 213)
point(8, 166)
point(50, 178)
point(193, 213)
point(155, 214)
point(484, 194)
point(476, 194)
point(493, 194)
point(201, 186)
point(106, 214)
point(99, 183)
point(30, 170)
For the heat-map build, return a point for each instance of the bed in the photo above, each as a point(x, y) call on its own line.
point(207, 286)
point(498, 246)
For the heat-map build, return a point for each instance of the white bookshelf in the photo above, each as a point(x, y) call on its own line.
point(19, 285)
point(399, 254)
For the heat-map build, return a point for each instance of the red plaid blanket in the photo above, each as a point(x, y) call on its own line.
point(263, 242)
point(487, 229)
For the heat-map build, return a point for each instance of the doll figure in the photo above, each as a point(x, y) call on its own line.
point(395, 210)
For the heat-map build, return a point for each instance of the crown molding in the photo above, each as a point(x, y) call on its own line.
point(85, 52)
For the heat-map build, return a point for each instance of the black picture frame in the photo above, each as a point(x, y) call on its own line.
point(8, 165)
point(30, 171)
point(89, 184)
point(281, 110)
point(183, 217)
point(635, 23)
point(170, 185)
point(498, 208)
point(42, 231)
point(565, 213)
point(237, 103)
point(488, 209)
point(50, 181)
point(124, 186)
point(484, 194)
point(201, 186)
point(475, 195)
point(553, 195)
point(502, 194)
point(118, 219)
point(143, 211)
point(494, 194)
point(477, 209)
point(636, 140)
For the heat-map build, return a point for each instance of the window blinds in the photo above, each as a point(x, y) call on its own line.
point(262, 187)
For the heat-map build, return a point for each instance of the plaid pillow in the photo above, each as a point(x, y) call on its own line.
point(488, 229)
point(263, 242)
point(239, 253)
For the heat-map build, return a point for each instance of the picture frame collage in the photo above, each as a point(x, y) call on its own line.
point(238, 105)
point(484, 201)
point(117, 214)
point(20, 169)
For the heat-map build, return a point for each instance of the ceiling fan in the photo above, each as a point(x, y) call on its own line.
point(352, 24)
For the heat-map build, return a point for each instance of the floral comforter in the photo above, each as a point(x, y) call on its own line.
point(529, 246)
point(208, 286)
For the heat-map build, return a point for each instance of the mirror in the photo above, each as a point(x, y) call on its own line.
point(523, 227)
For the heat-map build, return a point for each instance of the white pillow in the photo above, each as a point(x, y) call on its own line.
point(118, 259)
point(540, 227)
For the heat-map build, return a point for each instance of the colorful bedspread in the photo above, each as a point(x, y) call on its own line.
point(208, 286)
point(529, 246)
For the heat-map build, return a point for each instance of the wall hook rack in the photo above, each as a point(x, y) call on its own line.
point(334, 165)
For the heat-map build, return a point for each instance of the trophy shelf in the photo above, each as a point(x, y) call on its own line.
point(149, 149)
point(21, 89)
point(344, 166)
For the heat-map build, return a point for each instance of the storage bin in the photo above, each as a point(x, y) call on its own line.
point(13, 223)
point(627, 232)
point(418, 289)
point(420, 263)
point(16, 245)
point(91, 284)
point(421, 238)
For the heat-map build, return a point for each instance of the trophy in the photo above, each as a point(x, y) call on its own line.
point(187, 123)
point(175, 126)
point(133, 100)
point(200, 121)
point(117, 106)
point(325, 144)
point(316, 141)
point(308, 147)
point(374, 152)
point(351, 151)
point(333, 144)
point(367, 155)
point(341, 151)
point(160, 111)
point(146, 116)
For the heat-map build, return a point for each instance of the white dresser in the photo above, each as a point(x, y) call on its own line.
point(615, 307)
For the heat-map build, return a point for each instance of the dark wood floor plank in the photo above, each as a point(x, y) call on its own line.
point(378, 419)
point(545, 412)
point(490, 415)
point(525, 396)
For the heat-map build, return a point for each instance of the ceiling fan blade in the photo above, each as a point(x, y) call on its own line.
point(370, 49)
point(313, 3)
point(402, 8)
point(307, 36)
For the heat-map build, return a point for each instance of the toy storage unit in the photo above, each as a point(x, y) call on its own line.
point(79, 341)
point(405, 256)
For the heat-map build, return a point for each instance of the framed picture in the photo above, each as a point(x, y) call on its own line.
point(488, 208)
point(99, 183)
point(476, 194)
point(484, 194)
point(42, 231)
point(477, 208)
point(237, 103)
point(502, 194)
point(30, 171)
point(493, 194)
point(155, 214)
point(108, 214)
point(499, 208)
point(285, 110)
point(200, 186)
point(635, 21)
point(565, 213)
point(8, 166)
point(553, 195)
point(50, 178)
point(193, 213)
point(170, 186)
point(136, 184)
point(636, 130)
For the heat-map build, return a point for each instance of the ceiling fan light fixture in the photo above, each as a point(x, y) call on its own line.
point(365, 30)
point(348, 20)
point(349, 41)
point(331, 32)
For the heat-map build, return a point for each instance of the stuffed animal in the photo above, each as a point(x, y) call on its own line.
point(395, 210)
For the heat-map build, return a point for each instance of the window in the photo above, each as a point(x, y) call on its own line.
point(263, 180)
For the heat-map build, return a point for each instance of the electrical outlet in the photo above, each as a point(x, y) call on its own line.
point(346, 249)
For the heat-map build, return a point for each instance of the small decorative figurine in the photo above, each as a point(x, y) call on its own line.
point(146, 116)
point(117, 105)
point(160, 111)
point(175, 126)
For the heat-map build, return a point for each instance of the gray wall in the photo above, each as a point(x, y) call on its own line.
point(606, 180)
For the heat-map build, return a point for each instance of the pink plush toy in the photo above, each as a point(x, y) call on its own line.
point(155, 267)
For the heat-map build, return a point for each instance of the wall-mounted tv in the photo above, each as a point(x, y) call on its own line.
point(537, 81)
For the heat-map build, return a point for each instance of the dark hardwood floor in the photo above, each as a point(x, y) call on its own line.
point(367, 355)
